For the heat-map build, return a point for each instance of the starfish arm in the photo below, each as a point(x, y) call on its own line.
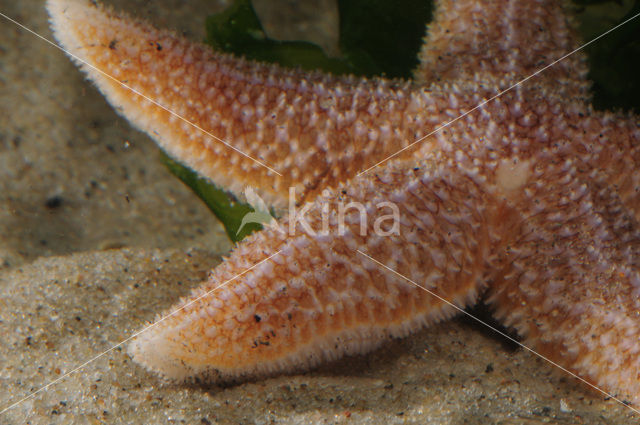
point(570, 281)
point(611, 143)
point(320, 299)
point(498, 43)
point(314, 129)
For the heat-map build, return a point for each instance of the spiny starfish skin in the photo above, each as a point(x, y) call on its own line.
point(532, 201)
point(524, 37)
point(273, 115)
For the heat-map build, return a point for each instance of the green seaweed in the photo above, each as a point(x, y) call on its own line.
point(238, 30)
point(377, 37)
point(224, 205)
point(614, 60)
point(382, 37)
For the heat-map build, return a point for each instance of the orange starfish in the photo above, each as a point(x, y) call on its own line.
point(529, 201)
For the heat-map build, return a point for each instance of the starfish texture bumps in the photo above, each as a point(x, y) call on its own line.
point(530, 202)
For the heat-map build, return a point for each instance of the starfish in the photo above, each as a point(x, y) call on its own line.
point(522, 195)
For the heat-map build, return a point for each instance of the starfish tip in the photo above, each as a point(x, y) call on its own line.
point(154, 352)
